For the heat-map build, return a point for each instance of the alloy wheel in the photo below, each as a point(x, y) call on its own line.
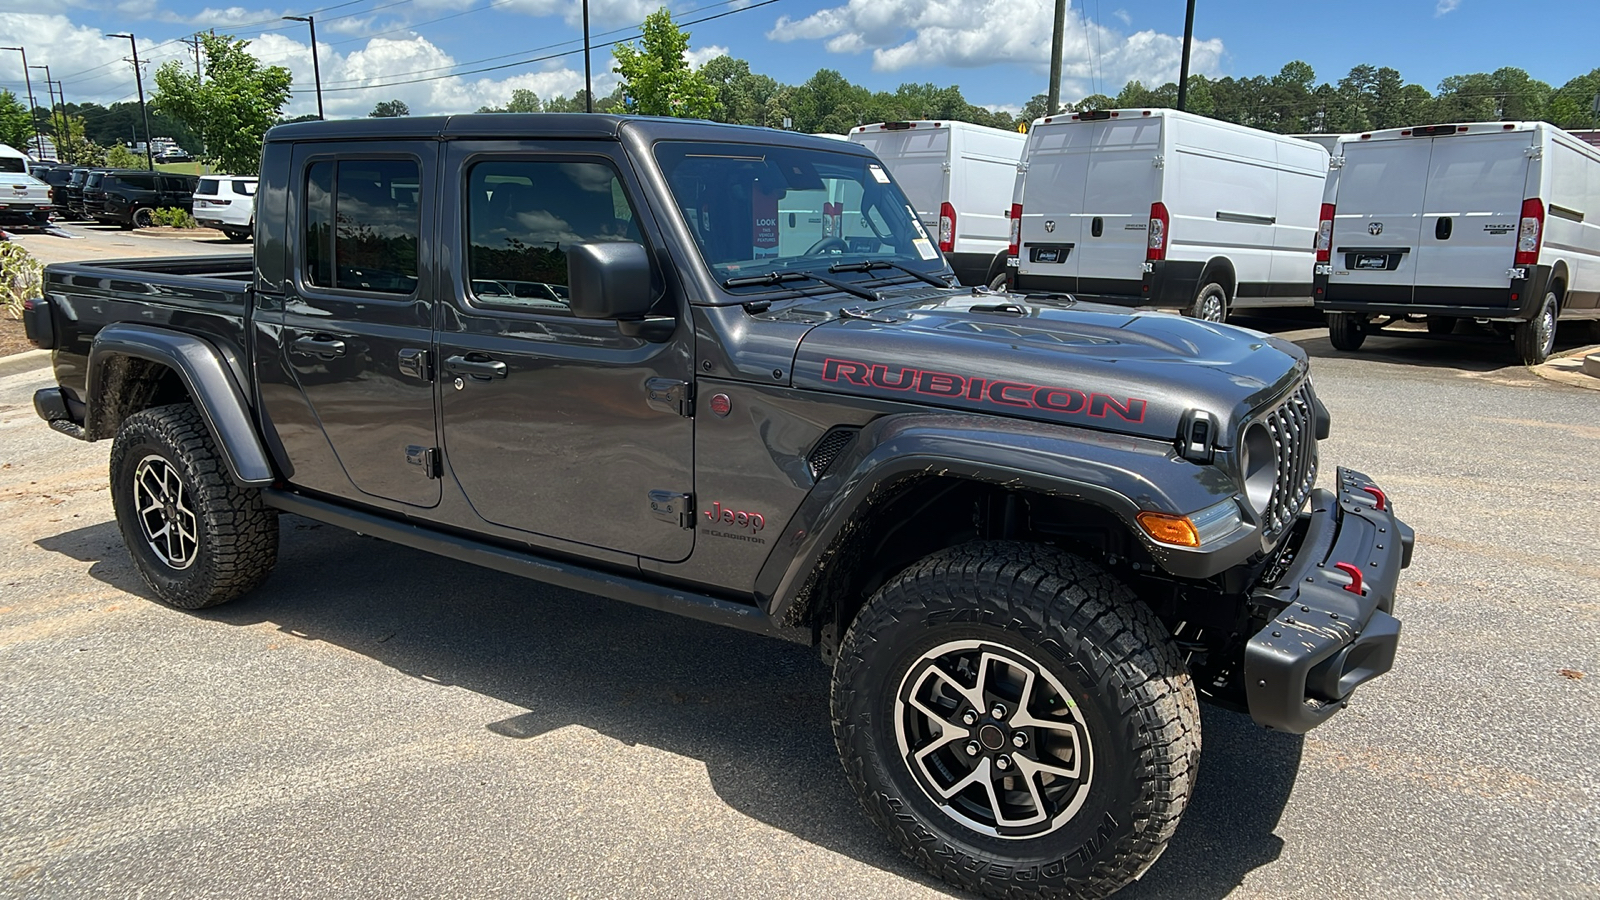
point(166, 520)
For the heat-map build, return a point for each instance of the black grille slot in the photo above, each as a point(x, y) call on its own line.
point(1294, 439)
point(828, 449)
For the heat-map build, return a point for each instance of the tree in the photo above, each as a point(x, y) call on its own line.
point(522, 101)
point(16, 129)
point(1573, 105)
point(655, 76)
point(389, 109)
point(120, 157)
point(234, 106)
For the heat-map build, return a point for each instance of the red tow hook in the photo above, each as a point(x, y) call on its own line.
point(1354, 586)
point(1377, 494)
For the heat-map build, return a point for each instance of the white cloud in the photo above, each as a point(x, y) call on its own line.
point(904, 34)
point(1123, 17)
point(698, 58)
point(1445, 7)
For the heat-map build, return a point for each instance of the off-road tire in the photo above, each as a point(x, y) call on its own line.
point(1084, 628)
point(1210, 304)
point(236, 535)
point(1346, 331)
point(1535, 338)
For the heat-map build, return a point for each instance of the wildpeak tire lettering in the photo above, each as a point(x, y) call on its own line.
point(992, 392)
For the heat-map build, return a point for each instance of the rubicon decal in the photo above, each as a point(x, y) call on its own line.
point(993, 392)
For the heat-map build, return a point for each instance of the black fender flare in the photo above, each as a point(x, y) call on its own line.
point(1124, 475)
point(204, 373)
point(997, 266)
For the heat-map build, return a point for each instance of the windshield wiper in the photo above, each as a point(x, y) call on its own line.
point(780, 277)
point(869, 265)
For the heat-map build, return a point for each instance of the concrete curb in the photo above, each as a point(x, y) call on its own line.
point(1579, 368)
point(26, 361)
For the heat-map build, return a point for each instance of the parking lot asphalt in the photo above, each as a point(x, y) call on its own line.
point(378, 722)
point(79, 241)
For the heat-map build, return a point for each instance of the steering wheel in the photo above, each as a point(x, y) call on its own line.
point(828, 243)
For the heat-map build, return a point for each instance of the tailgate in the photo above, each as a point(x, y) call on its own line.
point(1378, 219)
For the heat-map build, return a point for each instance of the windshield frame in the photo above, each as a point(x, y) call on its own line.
point(889, 192)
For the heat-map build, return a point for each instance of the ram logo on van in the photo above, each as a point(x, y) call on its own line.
point(1375, 229)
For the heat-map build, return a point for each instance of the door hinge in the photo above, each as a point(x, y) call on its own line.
point(674, 507)
point(670, 396)
point(425, 458)
point(1535, 152)
point(417, 363)
point(1159, 161)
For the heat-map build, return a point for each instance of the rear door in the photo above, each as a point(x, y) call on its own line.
point(1470, 213)
point(919, 160)
point(1052, 196)
point(1121, 181)
point(1377, 222)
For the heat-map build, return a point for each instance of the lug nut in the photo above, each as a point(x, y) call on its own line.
point(973, 747)
point(1019, 740)
point(970, 717)
point(1002, 763)
point(999, 712)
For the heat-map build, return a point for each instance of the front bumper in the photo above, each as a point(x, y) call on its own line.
point(1333, 630)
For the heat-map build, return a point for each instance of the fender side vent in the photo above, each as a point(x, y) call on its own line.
point(828, 449)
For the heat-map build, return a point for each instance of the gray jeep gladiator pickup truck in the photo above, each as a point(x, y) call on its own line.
point(723, 371)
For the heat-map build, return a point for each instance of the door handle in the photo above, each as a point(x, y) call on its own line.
point(477, 368)
point(1442, 228)
point(319, 345)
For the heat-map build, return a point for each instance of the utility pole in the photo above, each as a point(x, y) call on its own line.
point(50, 92)
point(144, 111)
point(66, 120)
point(316, 67)
point(1183, 67)
point(194, 46)
point(1058, 37)
point(33, 120)
point(588, 82)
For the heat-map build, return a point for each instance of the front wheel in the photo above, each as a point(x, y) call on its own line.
point(1017, 722)
point(1536, 338)
point(143, 217)
point(1346, 331)
point(198, 538)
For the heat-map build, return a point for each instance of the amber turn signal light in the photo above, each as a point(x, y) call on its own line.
point(1169, 529)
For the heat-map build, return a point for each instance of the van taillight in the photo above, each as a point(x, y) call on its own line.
point(1156, 247)
point(1529, 232)
point(1016, 228)
point(947, 227)
point(1324, 244)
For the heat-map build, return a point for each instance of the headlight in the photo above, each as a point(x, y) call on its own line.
point(1259, 460)
point(1206, 527)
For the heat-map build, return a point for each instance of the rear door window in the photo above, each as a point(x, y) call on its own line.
point(362, 225)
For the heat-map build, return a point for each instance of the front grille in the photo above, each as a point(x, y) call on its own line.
point(829, 448)
point(1294, 439)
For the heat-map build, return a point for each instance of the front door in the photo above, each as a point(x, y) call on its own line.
point(556, 425)
point(357, 324)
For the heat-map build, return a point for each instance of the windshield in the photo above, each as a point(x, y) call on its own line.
point(756, 209)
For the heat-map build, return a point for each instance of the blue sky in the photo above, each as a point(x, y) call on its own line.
point(996, 50)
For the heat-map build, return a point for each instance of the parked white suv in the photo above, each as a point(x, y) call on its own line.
point(227, 203)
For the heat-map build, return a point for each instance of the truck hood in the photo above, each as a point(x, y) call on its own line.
point(1088, 365)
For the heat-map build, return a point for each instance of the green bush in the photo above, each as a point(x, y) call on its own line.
point(174, 218)
point(21, 277)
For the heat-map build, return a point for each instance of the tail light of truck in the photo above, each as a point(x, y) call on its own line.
point(1016, 228)
point(1324, 244)
point(947, 227)
point(1156, 235)
point(1530, 232)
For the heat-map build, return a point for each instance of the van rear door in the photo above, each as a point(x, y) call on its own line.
point(918, 158)
point(1052, 192)
point(1378, 220)
point(1475, 189)
point(1121, 182)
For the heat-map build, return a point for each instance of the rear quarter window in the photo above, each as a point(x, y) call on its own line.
point(208, 186)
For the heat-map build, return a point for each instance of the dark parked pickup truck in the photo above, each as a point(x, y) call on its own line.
point(1028, 535)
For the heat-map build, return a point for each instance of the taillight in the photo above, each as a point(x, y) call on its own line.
point(1016, 228)
point(1324, 245)
point(1156, 246)
point(1530, 232)
point(947, 227)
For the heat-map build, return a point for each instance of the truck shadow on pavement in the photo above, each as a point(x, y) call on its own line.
point(752, 709)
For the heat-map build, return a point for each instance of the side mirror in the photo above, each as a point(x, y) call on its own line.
point(609, 280)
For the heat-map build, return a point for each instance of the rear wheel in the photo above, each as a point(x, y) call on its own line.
point(236, 235)
point(1535, 338)
point(1346, 331)
point(143, 217)
point(1017, 722)
point(198, 538)
point(1211, 304)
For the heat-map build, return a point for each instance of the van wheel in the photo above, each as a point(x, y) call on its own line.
point(1346, 331)
point(1211, 304)
point(1536, 338)
point(143, 217)
point(998, 283)
point(1441, 324)
point(198, 538)
point(1017, 722)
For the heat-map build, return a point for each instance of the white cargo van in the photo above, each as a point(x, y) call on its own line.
point(1155, 207)
point(1492, 220)
point(958, 176)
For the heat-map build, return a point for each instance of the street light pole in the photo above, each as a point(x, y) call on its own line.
point(33, 120)
point(1183, 68)
point(144, 111)
point(316, 67)
point(588, 82)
